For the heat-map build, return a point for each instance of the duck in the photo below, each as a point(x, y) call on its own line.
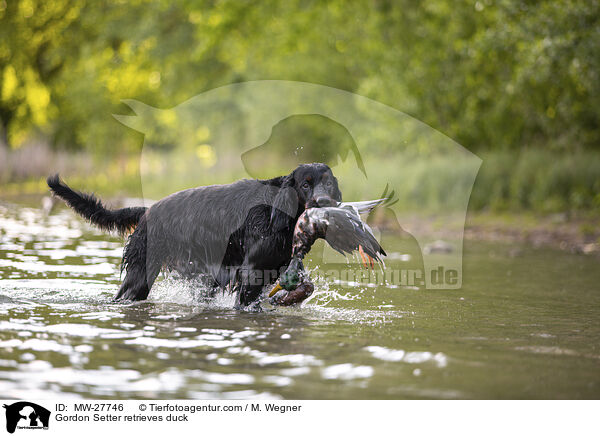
point(343, 229)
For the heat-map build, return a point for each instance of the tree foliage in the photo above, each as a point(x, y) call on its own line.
point(490, 74)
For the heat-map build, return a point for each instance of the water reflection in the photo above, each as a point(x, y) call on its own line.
point(62, 336)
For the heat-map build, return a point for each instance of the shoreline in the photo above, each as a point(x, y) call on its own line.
point(577, 235)
point(574, 233)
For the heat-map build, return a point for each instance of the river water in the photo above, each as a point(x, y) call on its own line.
point(526, 324)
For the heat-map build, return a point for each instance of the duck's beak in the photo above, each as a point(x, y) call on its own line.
point(276, 289)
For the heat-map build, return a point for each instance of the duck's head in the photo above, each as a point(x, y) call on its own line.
point(291, 278)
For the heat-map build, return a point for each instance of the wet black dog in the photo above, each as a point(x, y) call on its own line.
point(237, 236)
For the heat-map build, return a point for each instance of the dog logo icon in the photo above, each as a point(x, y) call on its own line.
point(26, 415)
point(371, 146)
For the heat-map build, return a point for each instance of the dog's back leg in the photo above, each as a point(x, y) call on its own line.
point(141, 267)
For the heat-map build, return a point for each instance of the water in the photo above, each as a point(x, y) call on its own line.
point(525, 325)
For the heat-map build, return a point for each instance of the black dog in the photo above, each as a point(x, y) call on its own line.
point(237, 235)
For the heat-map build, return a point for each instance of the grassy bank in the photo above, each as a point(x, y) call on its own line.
point(535, 181)
point(536, 196)
point(24, 171)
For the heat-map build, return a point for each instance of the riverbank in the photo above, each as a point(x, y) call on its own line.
point(574, 233)
point(535, 196)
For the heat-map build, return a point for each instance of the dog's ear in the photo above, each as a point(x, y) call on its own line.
point(337, 195)
point(285, 204)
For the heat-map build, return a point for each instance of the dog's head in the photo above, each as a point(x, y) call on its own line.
point(316, 186)
point(309, 185)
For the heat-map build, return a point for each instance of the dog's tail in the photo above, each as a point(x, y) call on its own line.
point(91, 208)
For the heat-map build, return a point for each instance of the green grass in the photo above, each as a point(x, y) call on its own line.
point(538, 180)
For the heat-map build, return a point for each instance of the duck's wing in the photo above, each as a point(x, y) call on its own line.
point(347, 233)
point(362, 206)
point(342, 228)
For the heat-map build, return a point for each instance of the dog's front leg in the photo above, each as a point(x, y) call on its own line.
point(248, 297)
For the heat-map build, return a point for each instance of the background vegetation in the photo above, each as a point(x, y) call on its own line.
point(516, 82)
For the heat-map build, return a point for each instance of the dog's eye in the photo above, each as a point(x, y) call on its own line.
point(329, 183)
point(305, 185)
